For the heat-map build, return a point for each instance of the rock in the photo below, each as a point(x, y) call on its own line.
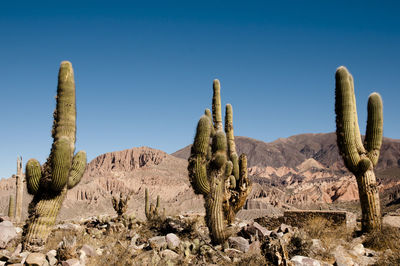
point(304, 261)
point(255, 248)
point(36, 259)
point(2, 263)
point(257, 230)
point(89, 250)
point(7, 233)
point(359, 250)
point(239, 243)
point(284, 228)
point(232, 252)
point(341, 257)
point(51, 257)
point(71, 262)
point(5, 255)
point(15, 259)
point(169, 254)
point(17, 250)
point(158, 242)
point(69, 226)
point(316, 247)
point(18, 230)
point(173, 241)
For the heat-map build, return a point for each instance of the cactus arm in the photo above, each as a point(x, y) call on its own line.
point(357, 135)
point(197, 162)
point(77, 169)
point(33, 172)
point(231, 140)
point(345, 121)
point(216, 106)
point(373, 136)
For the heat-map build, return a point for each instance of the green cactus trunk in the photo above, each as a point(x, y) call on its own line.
point(214, 169)
point(360, 158)
point(11, 207)
point(62, 169)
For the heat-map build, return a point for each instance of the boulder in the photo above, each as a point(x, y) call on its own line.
point(7, 233)
point(239, 243)
point(36, 259)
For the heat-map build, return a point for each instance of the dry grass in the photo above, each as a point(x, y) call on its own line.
point(388, 238)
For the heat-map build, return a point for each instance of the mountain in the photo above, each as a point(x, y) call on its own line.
point(292, 151)
point(298, 171)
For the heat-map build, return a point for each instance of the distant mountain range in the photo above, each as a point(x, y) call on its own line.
point(296, 171)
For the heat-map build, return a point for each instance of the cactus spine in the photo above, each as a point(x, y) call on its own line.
point(49, 183)
point(360, 158)
point(215, 169)
point(11, 207)
point(19, 190)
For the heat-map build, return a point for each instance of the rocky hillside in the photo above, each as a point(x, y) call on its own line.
point(307, 169)
point(297, 171)
point(128, 171)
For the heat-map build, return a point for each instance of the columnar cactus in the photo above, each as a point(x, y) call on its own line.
point(49, 183)
point(11, 207)
point(152, 211)
point(360, 158)
point(215, 169)
point(120, 204)
point(19, 190)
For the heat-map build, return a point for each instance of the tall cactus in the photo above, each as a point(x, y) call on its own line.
point(360, 158)
point(19, 191)
point(49, 183)
point(11, 207)
point(215, 169)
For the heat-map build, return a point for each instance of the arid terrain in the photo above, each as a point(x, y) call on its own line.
point(302, 171)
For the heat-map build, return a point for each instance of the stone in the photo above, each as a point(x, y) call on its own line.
point(359, 250)
point(89, 250)
point(255, 248)
point(257, 230)
point(36, 259)
point(341, 257)
point(169, 254)
point(284, 228)
point(71, 262)
point(18, 230)
point(7, 233)
point(5, 255)
point(232, 252)
point(173, 241)
point(304, 261)
point(158, 242)
point(239, 243)
point(317, 247)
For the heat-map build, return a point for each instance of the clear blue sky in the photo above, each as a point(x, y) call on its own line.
point(144, 70)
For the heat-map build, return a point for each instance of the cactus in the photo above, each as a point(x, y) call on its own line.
point(19, 190)
point(11, 207)
point(152, 211)
point(360, 158)
point(120, 205)
point(215, 169)
point(49, 183)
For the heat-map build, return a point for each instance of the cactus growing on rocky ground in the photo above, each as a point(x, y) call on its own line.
point(11, 207)
point(152, 211)
point(215, 169)
point(49, 183)
point(120, 204)
point(360, 158)
point(19, 190)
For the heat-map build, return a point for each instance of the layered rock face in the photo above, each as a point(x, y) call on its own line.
point(300, 170)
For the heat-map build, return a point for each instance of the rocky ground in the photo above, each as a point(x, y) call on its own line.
point(184, 240)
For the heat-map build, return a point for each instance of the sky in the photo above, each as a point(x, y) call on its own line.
point(144, 69)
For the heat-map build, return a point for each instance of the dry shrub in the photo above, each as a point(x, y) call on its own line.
point(330, 236)
point(387, 238)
